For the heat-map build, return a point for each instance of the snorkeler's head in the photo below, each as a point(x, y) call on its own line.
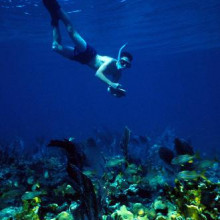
point(124, 58)
point(126, 54)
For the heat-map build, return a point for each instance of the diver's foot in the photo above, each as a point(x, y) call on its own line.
point(56, 46)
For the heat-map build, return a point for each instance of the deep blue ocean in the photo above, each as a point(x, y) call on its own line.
point(174, 82)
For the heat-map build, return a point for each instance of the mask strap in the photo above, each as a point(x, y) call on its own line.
point(119, 52)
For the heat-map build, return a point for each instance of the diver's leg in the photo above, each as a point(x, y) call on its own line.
point(56, 37)
point(53, 8)
point(65, 51)
point(79, 42)
point(58, 14)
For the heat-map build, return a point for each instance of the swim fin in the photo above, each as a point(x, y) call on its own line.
point(53, 8)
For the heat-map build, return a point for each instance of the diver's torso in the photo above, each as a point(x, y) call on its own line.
point(98, 60)
point(111, 69)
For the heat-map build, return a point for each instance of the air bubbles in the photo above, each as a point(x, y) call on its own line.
point(20, 6)
point(75, 11)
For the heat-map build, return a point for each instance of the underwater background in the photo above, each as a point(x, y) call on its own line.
point(173, 82)
point(70, 150)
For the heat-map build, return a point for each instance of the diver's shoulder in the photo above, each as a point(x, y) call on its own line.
point(106, 59)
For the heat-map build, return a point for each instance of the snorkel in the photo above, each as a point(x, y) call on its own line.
point(120, 50)
point(119, 66)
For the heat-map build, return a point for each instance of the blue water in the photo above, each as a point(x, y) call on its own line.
point(174, 81)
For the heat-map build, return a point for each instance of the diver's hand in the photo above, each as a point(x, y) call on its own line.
point(115, 85)
point(119, 92)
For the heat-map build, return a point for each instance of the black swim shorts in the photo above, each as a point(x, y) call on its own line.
point(84, 57)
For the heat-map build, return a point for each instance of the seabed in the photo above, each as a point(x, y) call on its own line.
point(109, 177)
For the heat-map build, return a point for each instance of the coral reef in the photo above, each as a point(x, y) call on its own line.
point(167, 182)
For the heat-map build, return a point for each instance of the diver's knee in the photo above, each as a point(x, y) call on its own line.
point(70, 29)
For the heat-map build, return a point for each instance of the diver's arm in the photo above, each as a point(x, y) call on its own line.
point(101, 76)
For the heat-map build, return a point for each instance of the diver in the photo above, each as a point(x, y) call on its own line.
point(104, 66)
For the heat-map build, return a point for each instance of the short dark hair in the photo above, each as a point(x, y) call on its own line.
point(127, 54)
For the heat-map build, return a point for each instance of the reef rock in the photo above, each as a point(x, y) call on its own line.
point(9, 213)
point(122, 214)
